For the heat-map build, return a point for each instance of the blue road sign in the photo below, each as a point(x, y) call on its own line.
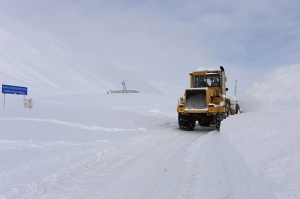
point(18, 90)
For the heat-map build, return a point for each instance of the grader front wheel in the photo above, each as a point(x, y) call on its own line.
point(186, 122)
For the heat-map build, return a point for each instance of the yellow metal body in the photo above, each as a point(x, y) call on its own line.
point(215, 98)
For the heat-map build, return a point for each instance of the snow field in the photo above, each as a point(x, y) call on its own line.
point(269, 143)
point(29, 144)
point(129, 146)
point(55, 180)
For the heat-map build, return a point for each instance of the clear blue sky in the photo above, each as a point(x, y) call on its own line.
point(165, 40)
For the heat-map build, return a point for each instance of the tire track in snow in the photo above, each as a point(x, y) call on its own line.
point(104, 170)
point(164, 168)
point(220, 172)
point(164, 163)
point(71, 124)
point(21, 145)
point(40, 164)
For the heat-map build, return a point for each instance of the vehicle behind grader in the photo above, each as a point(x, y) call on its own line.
point(205, 101)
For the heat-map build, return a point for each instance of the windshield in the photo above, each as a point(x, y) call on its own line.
point(199, 81)
point(213, 80)
point(206, 81)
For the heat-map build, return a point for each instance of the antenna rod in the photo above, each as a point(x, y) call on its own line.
point(235, 87)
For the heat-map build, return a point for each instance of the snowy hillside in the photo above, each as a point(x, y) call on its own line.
point(32, 58)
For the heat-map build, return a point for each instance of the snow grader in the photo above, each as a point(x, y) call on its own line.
point(205, 101)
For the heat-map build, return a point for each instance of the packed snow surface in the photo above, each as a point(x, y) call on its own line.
point(130, 146)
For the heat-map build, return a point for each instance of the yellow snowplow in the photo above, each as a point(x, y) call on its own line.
point(205, 101)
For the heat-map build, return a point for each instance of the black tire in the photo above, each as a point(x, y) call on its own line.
point(237, 108)
point(186, 122)
point(224, 115)
point(218, 119)
point(227, 110)
point(218, 125)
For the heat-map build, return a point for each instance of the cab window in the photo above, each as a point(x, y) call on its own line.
point(213, 80)
point(199, 81)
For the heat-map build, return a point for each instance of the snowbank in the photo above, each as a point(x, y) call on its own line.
point(269, 144)
point(279, 91)
point(221, 171)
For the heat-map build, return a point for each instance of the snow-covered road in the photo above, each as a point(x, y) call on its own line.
point(132, 148)
point(148, 166)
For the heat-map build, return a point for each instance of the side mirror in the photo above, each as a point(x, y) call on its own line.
point(226, 89)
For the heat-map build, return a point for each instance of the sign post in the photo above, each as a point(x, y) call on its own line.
point(17, 90)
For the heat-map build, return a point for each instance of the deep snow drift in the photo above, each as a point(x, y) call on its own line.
point(269, 143)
